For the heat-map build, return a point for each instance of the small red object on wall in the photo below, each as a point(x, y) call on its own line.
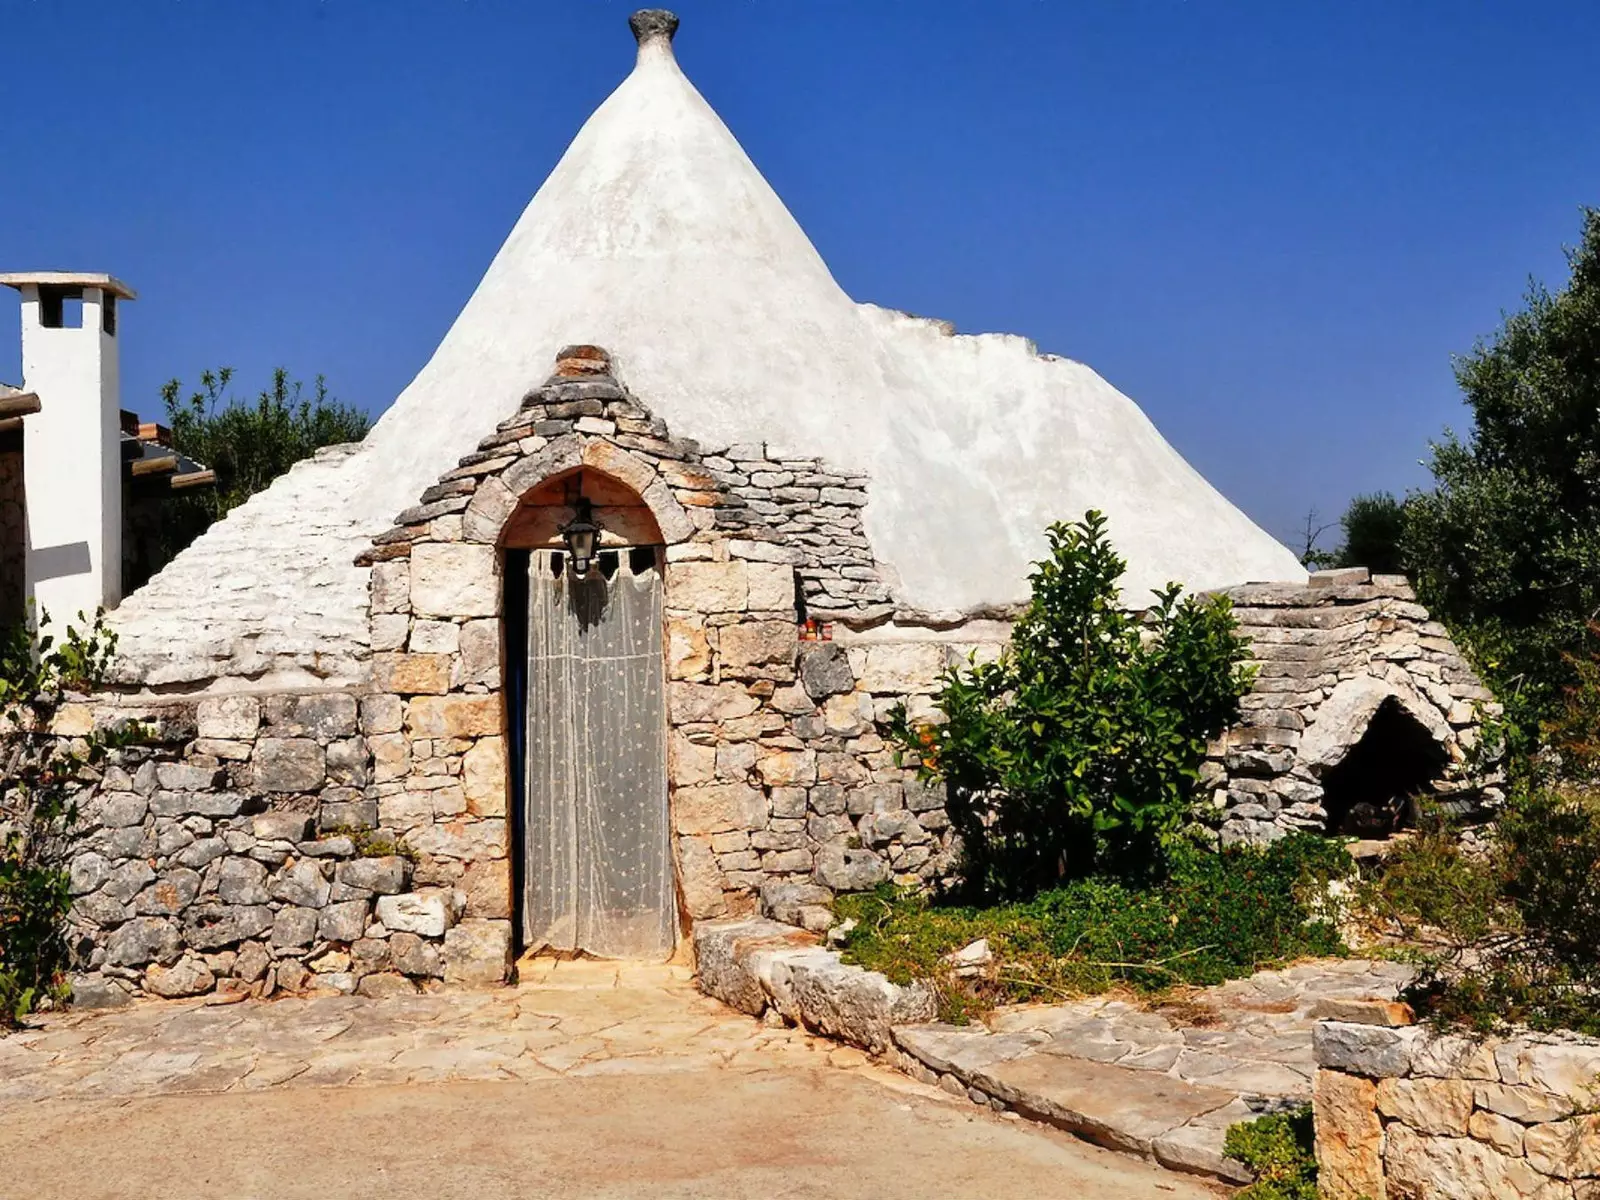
point(813, 630)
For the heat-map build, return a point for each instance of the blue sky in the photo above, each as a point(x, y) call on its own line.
point(1270, 223)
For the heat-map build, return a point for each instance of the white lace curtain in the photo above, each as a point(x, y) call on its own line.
point(599, 863)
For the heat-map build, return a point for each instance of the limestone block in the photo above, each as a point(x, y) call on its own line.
point(1363, 1049)
point(1530, 1106)
point(122, 809)
point(1349, 1136)
point(691, 703)
point(1504, 1134)
point(708, 587)
point(787, 768)
point(242, 881)
point(488, 889)
point(347, 762)
point(144, 940)
point(391, 756)
point(464, 840)
point(1566, 1149)
point(203, 804)
point(294, 928)
point(901, 668)
point(728, 956)
point(381, 714)
point(302, 885)
point(228, 718)
point(486, 515)
point(459, 580)
point(771, 587)
point(454, 716)
point(847, 714)
point(389, 631)
point(281, 826)
point(170, 894)
point(688, 650)
point(1565, 1067)
point(385, 874)
point(483, 777)
point(1456, 1169)
point(188, 978)
point(94, 991)
point(477, 952)
point(288, 765)
point(405, 810)
point(846, 870)
point(825, 670)
point(435, 637)
point(676, 525)
point(758, 643)
point(218, 926)
point(1453, 1056)
point(413, 956)
point(426, 914)
point(718, 807)
point(478, 660)
point(412, 674)
point(700, 879)
point(391, 587)
point(1436, 1106)
point(690, 762)
point(345, 921)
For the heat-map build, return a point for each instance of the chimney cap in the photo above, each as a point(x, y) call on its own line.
point(70, 279)
point(648, 24)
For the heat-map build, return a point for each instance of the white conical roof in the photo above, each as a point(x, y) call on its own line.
point(656, 237)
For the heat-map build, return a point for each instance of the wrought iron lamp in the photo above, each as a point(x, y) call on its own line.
point(582, 535)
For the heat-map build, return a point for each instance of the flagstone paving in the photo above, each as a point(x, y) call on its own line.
point(1162, 1083)
point(586, 1080)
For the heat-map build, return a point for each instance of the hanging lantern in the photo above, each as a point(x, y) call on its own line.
point(582, 535)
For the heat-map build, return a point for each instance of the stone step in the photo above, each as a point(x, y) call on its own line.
point(1155, 1116)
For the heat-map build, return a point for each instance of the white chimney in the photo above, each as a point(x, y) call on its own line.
point(72, 447)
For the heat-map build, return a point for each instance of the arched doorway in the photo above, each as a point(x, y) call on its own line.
point(586, 698)
point(1371, 792)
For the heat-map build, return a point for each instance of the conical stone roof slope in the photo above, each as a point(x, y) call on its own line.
point(656, 237)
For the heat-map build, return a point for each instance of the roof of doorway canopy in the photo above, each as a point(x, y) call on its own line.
point(656, 237)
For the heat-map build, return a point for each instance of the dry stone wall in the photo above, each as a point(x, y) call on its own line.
point(1410, 1113)
point(234, 849)
point(1327, 657)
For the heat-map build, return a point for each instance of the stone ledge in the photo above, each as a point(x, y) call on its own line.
point(757, 965)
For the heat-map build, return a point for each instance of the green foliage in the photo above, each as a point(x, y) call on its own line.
point(1506, 548)
point(1216, 916)
point(369, 843)
point(1077, 751)
point(1428, 887)
point(1522, 928)
point(41, 780)
point(1281, 1150)
point(247, 443)
point(1373, 526)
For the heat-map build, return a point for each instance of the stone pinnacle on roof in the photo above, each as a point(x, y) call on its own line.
point(650, 24)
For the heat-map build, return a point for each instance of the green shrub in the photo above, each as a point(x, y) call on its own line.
point(1281, 1150)
point(1077, 751)
point(1214, 917)
point(42, 777)
point(1532, 956)
point(1429, 887)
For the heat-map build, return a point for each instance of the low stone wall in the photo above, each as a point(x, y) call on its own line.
point(1409, 1113)
point(237, 848)
point(757, 965)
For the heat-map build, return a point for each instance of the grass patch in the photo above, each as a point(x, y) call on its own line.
point(1213, 918)
point(1281, 1150)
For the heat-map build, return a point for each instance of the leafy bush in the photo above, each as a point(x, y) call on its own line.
point(1522, 927)
point(1077, 751)
point(1216, 916)
point(1429, 888)
point(1281, 1150)
point(41, 778)
point(1373, 526)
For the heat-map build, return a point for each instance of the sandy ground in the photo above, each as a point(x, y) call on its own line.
point(784, 1133)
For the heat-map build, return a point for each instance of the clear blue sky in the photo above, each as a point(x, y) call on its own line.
point(1270, 223)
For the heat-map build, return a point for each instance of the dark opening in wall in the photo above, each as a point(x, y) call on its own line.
point(1371, 792)
point(61, 308)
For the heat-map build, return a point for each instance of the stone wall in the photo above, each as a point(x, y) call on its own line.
point(1328, 656)
point(234, 849)
point(1409, 1113)
point(13, 530)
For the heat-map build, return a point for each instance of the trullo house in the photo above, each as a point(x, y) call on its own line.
point(588, 639)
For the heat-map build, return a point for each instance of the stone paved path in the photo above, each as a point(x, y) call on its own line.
point(1165, 1083)
point(586, 1080)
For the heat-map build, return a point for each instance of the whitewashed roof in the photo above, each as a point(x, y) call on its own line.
point(656, 237)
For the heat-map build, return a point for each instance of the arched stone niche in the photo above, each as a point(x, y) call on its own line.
point(624, 518)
